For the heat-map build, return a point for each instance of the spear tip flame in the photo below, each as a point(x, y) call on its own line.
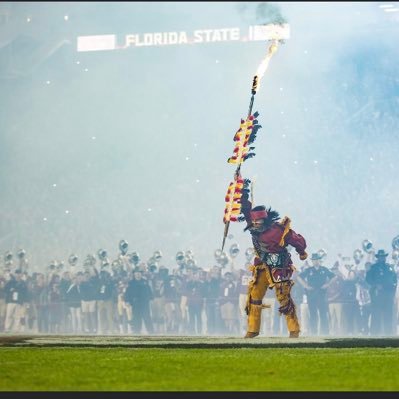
point(265, 63)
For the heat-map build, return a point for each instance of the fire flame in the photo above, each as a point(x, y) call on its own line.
point(265, 62)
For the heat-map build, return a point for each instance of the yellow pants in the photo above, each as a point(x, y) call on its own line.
point(261, 281)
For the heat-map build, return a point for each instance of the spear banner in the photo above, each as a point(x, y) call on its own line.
point(243, 150)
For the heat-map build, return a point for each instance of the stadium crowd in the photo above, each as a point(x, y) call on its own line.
point(129, 296)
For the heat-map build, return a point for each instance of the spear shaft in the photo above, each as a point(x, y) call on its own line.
point(251, 104)
point(261, 70)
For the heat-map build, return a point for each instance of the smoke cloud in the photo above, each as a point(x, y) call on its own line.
point(261, 13)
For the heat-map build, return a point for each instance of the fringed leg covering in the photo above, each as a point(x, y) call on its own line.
point(256, 291)
point(287, 306)
point(254, 318)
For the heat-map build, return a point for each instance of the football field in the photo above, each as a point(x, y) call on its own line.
point(138, 363)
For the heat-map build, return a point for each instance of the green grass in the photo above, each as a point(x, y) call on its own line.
point(240, 369)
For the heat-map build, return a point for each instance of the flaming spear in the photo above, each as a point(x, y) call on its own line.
point(245, 136)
